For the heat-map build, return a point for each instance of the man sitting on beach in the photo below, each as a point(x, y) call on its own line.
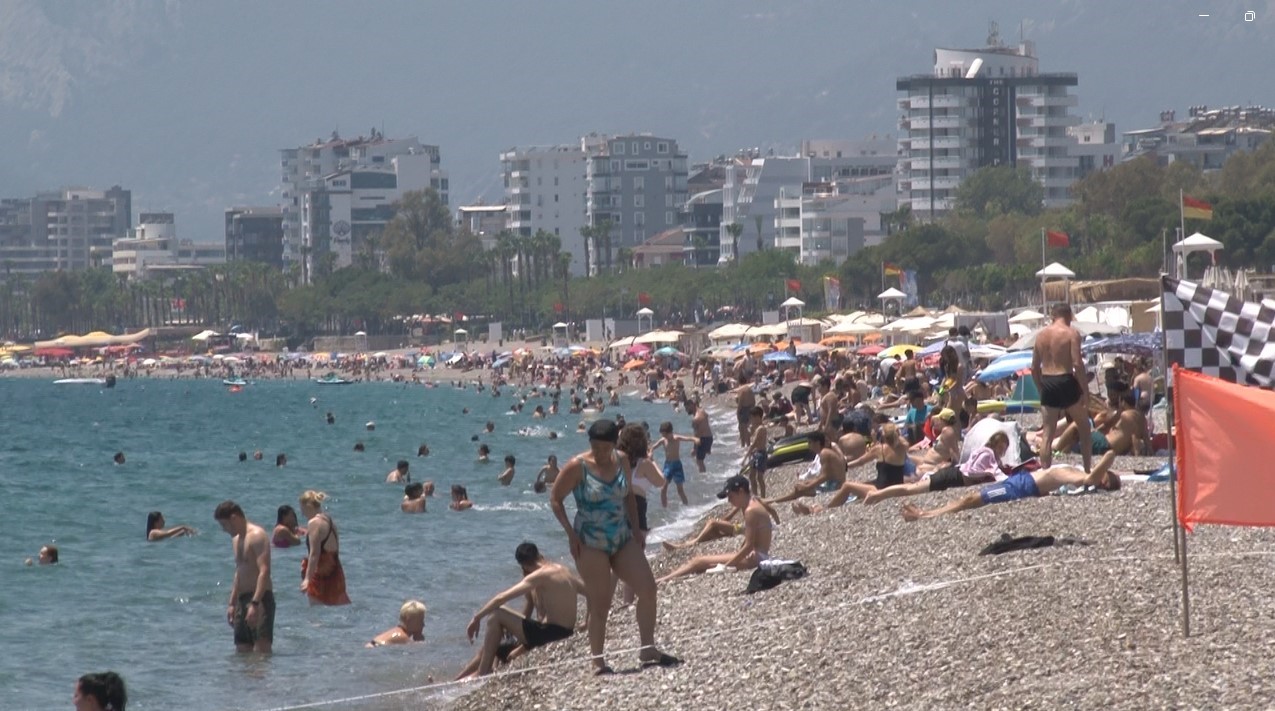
point(1023, 485)
point(550, 590)
point(832, 470)
point(717, 528)
point(757, 534)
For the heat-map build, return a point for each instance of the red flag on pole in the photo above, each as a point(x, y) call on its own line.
point(794, 285)
point(1223, 440)
point(644, 298)
point(1057, 238)
point(557, 307)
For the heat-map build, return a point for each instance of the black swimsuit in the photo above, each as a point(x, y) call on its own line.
point(1060, 391)
point(888, 475)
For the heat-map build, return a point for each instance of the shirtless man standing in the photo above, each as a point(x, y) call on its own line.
point(832, 470)
point(703, 430)
point(744, 402)
point(757, 534)
point(550, 590)
point(1059, 371)
point(251, 609)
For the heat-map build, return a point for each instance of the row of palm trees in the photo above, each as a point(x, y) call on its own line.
point(51, 303)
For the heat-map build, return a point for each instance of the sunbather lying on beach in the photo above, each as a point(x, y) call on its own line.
point(1023, 485)
point(983, 466)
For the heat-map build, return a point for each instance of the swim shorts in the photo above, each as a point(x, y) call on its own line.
point(759, 462)
point(1059, 391)
point(673, 471)
point(265, 627)
point(948, 477)
point(1100, 443)
point(828, 487)
point(801, 395)
point(704, 448)
point(539, 634)
point(1018, 486)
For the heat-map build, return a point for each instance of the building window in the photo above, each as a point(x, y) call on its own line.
point(668, 217)
point(555, 180)
point(661, 147)
point(668, 182)
point(646, 145)
point(555, 198)
point(639, 219)
point(618, 148)
point(639, 200)
point(616, 166)
point(635, 148)
point(637, 165)
point(639, 183)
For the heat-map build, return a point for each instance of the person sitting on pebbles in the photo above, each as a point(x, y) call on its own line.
point(1023, 485)
point(758, 531)
point(718, 528)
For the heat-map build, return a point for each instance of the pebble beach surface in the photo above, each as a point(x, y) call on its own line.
point(908, 615)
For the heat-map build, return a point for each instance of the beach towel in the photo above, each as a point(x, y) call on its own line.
point(1009, 544)
point(771, 573)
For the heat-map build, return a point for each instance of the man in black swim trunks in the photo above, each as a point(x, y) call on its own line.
point(1059, 371)
point(550, 590)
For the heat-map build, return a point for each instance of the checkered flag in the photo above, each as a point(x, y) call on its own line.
point(1214, 333)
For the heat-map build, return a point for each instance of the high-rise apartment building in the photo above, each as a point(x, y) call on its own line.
point(984, 107)
point(255, 234)
point(545, 190)
point(637, 183)
point(309, 168)
point(69, 229)
point(152, 249)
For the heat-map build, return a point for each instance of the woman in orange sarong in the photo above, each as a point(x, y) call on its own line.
point(322, 577)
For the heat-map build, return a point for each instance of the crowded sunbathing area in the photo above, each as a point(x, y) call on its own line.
point(779, 499)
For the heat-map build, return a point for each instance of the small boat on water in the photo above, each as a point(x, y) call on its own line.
point(234, 382)
point(332, 379)
point(108, 381)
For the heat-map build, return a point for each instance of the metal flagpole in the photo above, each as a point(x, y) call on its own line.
point(1181, 272)
point(1042, 248)
point(1168, 424)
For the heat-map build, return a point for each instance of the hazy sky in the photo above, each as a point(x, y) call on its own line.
point(187, 103)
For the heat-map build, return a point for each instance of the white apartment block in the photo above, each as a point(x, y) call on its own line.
point(545, 188)
point(984, 107)
point(817, 223)
point(750, 196)
point(306, 168)
point(342, 216)
point(637, 183)
point(1096, 147)
point(152, 249)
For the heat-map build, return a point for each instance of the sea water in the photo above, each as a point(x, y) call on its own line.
point(155, 612)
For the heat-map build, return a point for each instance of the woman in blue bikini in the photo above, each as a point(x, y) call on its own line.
point(602, 540)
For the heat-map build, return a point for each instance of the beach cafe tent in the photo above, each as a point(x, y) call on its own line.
point(560, 334)
point(729, 332)
point(204, 335)
point(1027, 316)
point(659, 337)
point(95, 339)
point(848, 328)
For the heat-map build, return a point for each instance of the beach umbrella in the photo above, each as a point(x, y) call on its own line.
point(1005, 366)
point(779, 357)
point(666, 351)
point(1146, 345)
point(1027, 316)
point(870, 350)
point(500, 362)
point(637, 349)
point(634, 364)
point(899, 350)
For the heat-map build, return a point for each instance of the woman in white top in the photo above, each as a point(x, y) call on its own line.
point(636, 445)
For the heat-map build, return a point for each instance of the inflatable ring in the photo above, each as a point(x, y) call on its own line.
point(986, 407)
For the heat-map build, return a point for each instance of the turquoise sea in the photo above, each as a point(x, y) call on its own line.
point(155, 612)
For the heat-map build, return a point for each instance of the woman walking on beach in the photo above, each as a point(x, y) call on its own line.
point(322, 577)
point(602, 540)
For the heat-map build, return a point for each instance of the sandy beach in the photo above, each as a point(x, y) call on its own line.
point(908, 615)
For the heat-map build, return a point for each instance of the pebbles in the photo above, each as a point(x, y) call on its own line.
point(899, 615)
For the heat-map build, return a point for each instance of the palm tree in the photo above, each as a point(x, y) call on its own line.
point(604, 229)
point(757, 224)
point(734, 229)
point(624, 256)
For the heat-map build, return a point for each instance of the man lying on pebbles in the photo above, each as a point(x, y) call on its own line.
point(758, 531)
point(1022, 485)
